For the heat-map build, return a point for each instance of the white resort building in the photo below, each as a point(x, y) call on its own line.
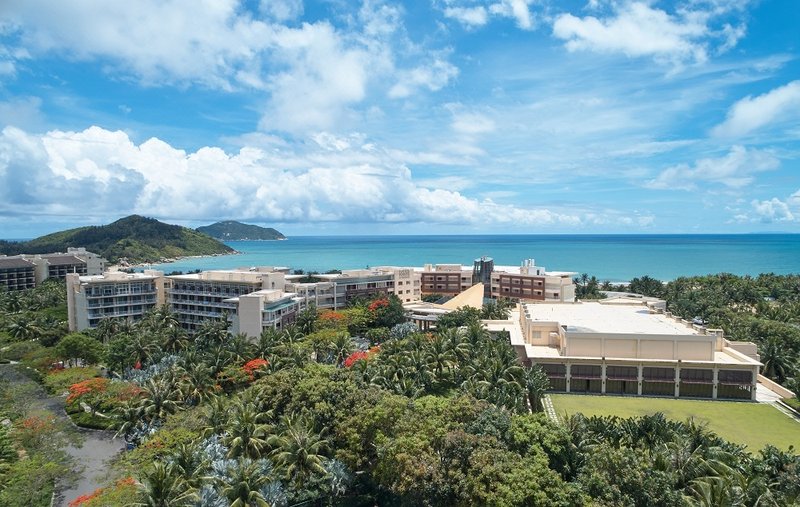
point(630, 346)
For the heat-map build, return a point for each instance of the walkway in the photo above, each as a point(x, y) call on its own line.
point(91, 457)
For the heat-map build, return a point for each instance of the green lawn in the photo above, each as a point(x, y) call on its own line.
point(752, 424)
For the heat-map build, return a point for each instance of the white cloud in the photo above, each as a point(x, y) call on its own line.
point(752, 113)
point(282, 10)
point(22, 112)
point(472, 123)
point(433, 76)
point(636, 30)
point(468, 16)
point(735, 170)
point(339, 180)
point(773, 210)
point(474, 14)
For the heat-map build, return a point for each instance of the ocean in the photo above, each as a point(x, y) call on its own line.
point(616, 258)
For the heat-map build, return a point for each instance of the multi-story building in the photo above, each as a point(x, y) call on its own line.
point(52, 266)
point(262, 309)
point(445, 279)
point(531, 283)
point(198, 297)
point(92, 298)
point(527, 282)
point(337, 289)
point(17, 273)
point(630, 347)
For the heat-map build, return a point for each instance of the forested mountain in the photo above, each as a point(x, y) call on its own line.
point(232, 230)
point(135, 238)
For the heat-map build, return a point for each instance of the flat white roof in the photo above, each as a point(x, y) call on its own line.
point(612, 319)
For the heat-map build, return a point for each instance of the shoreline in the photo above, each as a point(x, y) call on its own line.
point(167, 260)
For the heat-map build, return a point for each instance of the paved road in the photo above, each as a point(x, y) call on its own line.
point(91, 457)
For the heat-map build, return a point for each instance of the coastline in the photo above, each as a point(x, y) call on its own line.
point(167, 260)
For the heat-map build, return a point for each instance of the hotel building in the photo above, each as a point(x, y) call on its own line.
point(16, 271)
point(528, 282)
point(92, 298)
point(335, 290)
point(625, 346)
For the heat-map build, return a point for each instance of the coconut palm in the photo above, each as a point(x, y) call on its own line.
point(340, 347)
point(23, 328)
point(535, 383)
point(243, 483)
point(240, 347)
point(173, 339)
point(299, 450)
point(159, 399)
point(190, 464)
point(440, 357)
point(779, 362)
point(246, 433)
point(196, 383)
point(215, 416)
point(163, 486)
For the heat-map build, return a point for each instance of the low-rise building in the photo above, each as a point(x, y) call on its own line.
point(628, 347)
point(335, 290)
point(130, 296)
point(17, 273)
point(48, 266)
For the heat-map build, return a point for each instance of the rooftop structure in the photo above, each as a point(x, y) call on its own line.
point(47, 266)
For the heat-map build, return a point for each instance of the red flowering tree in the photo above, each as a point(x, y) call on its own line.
point(93, 392)
point(254, 366)
point(330, 319)
point(361, 355)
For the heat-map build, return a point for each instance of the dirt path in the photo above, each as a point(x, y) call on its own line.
point(91, 457)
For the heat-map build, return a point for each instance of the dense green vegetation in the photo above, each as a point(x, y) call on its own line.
point(135, 238)
point(357, 407)
point(231, 230)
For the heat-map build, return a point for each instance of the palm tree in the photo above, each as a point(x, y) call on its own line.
point(240, 347)
point(778, 360)
point(174, 340)
point(23, 328)
point(190, 464)
point(535, 384)
point(142, 347)
point(267, 342)
point(129, 416)
point(159, 399)
point(244, 481)
point(163, 486)
point(215, 416)
point(340, 347)
point(440, 357)
point(299, 451)
point(245, 432)
point(196, 383)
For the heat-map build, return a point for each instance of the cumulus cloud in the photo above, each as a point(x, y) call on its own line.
point(311, 74)
point(773, 210)
point(433, 76)
point(637, 29)
point(735, 170)
point(475, 14)
point(332, 180)
point(752, 113)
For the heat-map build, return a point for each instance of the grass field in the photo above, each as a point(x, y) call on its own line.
point(752, 424)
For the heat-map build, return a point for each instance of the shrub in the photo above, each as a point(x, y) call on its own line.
point(58, 381)
point(16, 351)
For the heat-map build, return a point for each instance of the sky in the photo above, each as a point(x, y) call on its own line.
point(423, 117)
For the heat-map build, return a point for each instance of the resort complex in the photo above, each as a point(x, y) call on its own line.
point(621, 345)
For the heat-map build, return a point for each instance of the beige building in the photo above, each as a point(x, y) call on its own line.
point(16, 271)
point(631, 347)
point(195, 298)
point(93, 298)
point(335, 290)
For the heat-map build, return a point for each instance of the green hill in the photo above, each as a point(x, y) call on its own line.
point(237, 231)
point(138, 239)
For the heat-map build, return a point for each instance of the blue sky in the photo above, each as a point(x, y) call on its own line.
point(440, 116)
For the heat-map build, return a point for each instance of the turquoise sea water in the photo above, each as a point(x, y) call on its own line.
point(609, 257)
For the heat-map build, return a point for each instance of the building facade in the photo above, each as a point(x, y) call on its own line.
point(17, 273)
point(632, 349)
point(48, 266)
point(90, 299)
point(336, 290)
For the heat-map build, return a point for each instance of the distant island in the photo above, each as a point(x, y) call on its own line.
point(133, 239)
point(231, 230)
